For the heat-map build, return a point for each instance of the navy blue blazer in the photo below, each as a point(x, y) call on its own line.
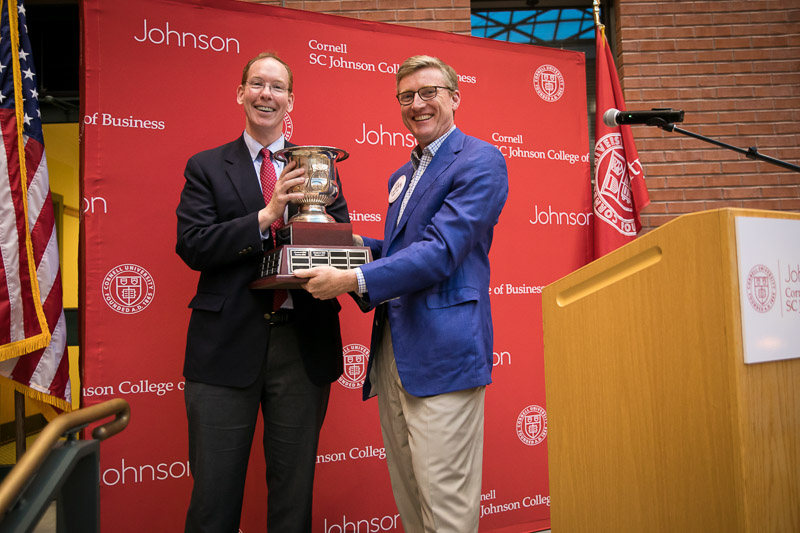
point(431, 271)
point(218, 235)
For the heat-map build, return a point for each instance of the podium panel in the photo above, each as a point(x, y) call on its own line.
point(655, 423)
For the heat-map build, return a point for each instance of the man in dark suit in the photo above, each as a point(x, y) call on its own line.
point(431, 350)
point(251, 349)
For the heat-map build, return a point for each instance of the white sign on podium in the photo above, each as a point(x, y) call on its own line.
point(768, 251)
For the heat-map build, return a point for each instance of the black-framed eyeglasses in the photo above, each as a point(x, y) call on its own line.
point(425, 93)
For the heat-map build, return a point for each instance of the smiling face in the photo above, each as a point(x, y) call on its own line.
point(266, 98)
point(428, 120)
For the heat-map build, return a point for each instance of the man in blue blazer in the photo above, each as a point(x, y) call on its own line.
point(250, 350)
point(431, 349)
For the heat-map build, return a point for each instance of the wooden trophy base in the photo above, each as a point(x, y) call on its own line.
point(304, 245)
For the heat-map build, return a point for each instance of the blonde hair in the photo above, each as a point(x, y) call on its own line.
point(415, 63)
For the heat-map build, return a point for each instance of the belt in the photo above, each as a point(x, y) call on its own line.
point(279, 317)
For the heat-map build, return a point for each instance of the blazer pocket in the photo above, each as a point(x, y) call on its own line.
point(205, 301)
point(439, 300)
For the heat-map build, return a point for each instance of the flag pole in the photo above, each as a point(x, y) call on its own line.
point(620, 192)
point(596, 7)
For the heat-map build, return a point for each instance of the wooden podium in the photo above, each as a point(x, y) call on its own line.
point(655, 423)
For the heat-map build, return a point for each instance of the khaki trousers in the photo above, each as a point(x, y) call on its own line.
point(434, 450)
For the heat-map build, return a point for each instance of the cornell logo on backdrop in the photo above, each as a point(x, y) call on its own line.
point(288, 127)
point(549, 83)
point(761, 288)
point(532, 425)
point(128, 289)
point(355, 366)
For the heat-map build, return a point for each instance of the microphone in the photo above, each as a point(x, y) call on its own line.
point(655, 117)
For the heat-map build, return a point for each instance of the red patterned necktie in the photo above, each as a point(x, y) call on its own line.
point(268, 179)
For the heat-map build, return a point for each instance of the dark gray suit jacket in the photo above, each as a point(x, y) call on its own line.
point(218, 235)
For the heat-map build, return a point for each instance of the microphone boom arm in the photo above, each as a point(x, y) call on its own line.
point(750, 153)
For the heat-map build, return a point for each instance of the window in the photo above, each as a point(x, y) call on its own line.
point(570, 28)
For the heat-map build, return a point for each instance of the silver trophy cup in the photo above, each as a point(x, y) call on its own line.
point(304, 242)
point(319, 189)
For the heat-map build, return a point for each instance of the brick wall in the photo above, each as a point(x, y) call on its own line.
point(734, 68)
point(443, 15)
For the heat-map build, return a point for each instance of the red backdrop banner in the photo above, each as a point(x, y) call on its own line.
point(159, 84)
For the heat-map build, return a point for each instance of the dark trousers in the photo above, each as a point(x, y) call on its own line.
point(222, 421)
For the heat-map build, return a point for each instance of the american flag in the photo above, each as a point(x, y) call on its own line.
point(33, 336)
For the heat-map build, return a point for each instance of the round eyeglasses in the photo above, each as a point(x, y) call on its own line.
point(425, 93)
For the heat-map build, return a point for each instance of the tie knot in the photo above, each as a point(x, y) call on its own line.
point(266, 154)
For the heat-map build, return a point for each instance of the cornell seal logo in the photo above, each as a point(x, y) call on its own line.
point(549, 83)
point(288, 127)
point(613, 199)
point(532, 425)
point(355, 366)
point(128, 289)
point(761, 288)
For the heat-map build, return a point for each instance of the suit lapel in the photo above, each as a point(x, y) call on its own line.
point(242, 174)
point(243, 177)
point(444, 157)
point(406, 170)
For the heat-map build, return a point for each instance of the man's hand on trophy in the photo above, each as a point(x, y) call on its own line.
point(326, 282)
point(290, 177)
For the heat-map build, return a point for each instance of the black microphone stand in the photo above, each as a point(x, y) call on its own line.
point(751, 153)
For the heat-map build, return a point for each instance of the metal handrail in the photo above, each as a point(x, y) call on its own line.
point(26, 468)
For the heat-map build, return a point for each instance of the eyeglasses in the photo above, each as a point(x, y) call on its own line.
point(425, 93)
point(258, 86)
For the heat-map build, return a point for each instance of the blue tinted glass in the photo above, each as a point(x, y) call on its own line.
point(537, 26)
point(566, 30)
point(550, 14)
point(545, 31)
point(526, 29)
point(518, 16)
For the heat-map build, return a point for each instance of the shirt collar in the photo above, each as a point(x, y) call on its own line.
point(254, 147)
point(416, 153)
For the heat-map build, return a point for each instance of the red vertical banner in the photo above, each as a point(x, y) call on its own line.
point(137, 136)
point(620, 192)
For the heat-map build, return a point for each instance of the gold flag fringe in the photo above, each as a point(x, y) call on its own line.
point(46, 401)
